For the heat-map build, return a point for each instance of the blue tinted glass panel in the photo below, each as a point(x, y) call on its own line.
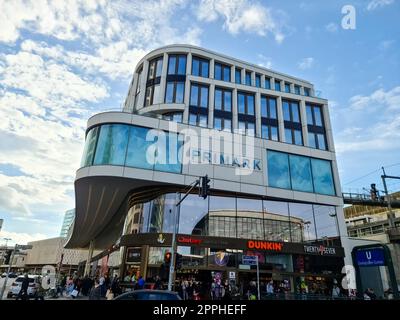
point(171, 65)
point(318, 117)
point(296, 89)
point(202, 120)
point(298, 137)
point(309, 115)
point(250, 104)
point(112, 143)
point(218, 71)
point(204, 97)
point(272, 108)
point(258, 81)
point(227, 74)
point(311, 140)
point(306, 91)
point(137, 149)
point(170, 154)
point(182, 65)
point(180, 86)
point(286, 111)
point(193, 119)
point(264, 112)
point(248, 78)
point(288, 136)
point(218, 99)
point(227, 125)
point(228, 101)
point(242, 127)
point(194, 94)
point(300, 172)
point(274, 133)
point(267, 84)
point(287, 87)
point(295, 112)
point(204, 69)
point(169, 93)
point(241, 103)
point(251, 129)
point(278, 170)
point(159, 67)
point(264, 132)
point(238, 76)
point(277, 85)
point(322, 176)
point(195, 67)
point(321, 142)
point(218, 123)
point(90, 145)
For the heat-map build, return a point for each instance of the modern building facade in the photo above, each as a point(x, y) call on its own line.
point(67, 222)
point(265, 141)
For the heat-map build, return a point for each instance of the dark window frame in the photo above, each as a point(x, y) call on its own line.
point(238, 71)
point(268, 121)
point(223, 91)
point(246, 75)
point(246, 107)
point(258, 83)
point(175, 83)
point(223, 67)
point(199, 86)
point(177, 57)
point(314, 129)
point(291, 125)
point(202, 62)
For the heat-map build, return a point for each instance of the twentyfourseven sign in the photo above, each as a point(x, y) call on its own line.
point(264, 245)
point(201, 156)
point(322, 250)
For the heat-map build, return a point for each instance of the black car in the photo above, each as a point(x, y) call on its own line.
point(149, 295)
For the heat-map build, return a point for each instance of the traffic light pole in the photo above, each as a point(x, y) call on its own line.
point(8, 271)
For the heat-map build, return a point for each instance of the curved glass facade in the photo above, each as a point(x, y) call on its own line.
point(300, 173)
point(132, 146)
point(236, 218)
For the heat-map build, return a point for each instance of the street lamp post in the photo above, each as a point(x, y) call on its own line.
point(6, 239)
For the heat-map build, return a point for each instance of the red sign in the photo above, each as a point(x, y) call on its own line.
point(183, 239)
point(264, 245)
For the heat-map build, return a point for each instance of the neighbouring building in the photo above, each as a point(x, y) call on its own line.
point(67, 222)
point(278, 197)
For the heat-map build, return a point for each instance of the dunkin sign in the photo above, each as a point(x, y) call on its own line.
point(264, 245)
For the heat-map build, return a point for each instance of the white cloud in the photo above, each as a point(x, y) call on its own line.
point(265, 62)
point(306, 63)
point(386, 44)
point(332, 27)
point(21, 238)
point(389, 99)
point(241, 16)
point(374, 4)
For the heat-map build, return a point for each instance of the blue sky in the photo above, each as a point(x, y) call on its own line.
point(62, 61)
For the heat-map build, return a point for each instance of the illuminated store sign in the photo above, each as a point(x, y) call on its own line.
point(322, 250)
point(190, 240)
point(205, 157)
point(264, 245)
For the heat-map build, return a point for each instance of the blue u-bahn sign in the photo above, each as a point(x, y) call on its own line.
point(370, 257)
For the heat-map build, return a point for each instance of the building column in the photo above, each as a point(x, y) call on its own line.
point(163, 80)
point(328, 128)
point(303, 119)
point(235, 124)
point(211, 93)
point(272, 83)
point(211, 69)
point(145, 71)
point(281, 124)
point(89, 257)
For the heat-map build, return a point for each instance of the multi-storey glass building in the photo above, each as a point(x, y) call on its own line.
point(285, 206)
point(67, 222)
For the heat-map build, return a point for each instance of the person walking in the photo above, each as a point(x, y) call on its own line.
point(95, 292)
point(40, 291)
point(23, 293)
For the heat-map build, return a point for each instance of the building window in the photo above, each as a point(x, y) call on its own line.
point(307, 92)
point(238, 76)
point(198, 106)
point(173, 116)
point(177, 64)
point(269, 119)
point(138, 87)
point(258, 81)
point(246, 113)
point(267, 83)
point(296, 89)
point(287, 87)
point(291, 117)
point(222, 72)
point(223, 109)
point(153, 82)
point(248, 78)
point(315, 127)
point(175, 92)
point(277, 85)
point(200, 67)
point(289, 171)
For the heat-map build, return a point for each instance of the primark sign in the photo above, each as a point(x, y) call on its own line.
point(217, 158)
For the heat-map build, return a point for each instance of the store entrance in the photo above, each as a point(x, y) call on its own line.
point(196, 283)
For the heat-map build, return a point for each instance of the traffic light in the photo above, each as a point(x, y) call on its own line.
point(178, 261)
point(204, 186)
point(7, 257)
